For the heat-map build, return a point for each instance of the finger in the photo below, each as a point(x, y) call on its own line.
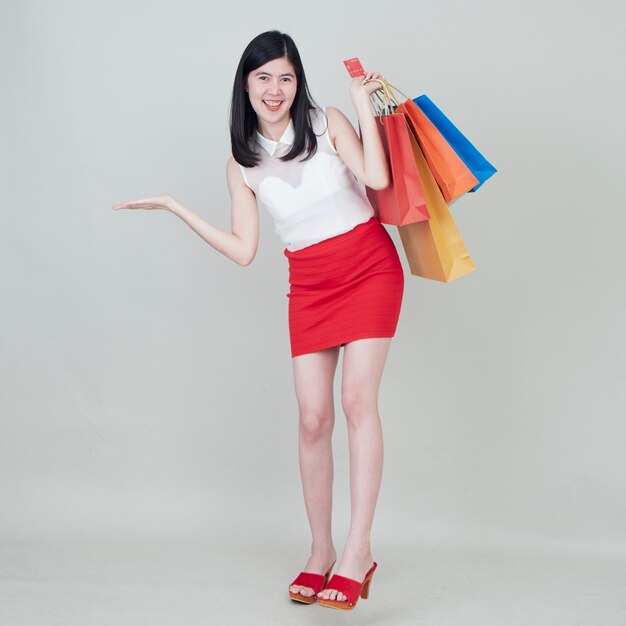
point(135, 204)
point(149, 200)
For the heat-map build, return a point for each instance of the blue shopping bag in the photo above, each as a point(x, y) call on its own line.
point(475, 161)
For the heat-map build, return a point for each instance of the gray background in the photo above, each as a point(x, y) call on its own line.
point(146, 391)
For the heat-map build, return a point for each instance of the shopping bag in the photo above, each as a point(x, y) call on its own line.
point(475, 161)
point(403, 200)
point(452, 175)
point(434, 248)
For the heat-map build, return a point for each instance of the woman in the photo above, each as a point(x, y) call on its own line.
point(346, 281)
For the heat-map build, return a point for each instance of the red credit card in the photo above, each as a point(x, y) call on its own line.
point(354, 67)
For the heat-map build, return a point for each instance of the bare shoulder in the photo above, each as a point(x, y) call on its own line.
point(232, 167)
point(233, 173)
point(336, 116)
point(338, 124)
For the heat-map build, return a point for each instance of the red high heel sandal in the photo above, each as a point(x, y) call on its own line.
point(350, 588)
point(309, 579)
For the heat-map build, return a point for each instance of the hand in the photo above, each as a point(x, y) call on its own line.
point(359, 84)
point(165, 202)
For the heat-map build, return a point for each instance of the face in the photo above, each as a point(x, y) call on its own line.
point(272, 89)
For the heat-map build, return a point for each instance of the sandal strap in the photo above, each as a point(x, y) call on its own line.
point(348, 586)
point(310, 579)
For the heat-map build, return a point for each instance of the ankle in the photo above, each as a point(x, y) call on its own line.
point(358, 550)
point(359, 539)
point(323, 551)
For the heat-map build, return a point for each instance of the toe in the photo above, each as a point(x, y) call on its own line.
point(307, 592)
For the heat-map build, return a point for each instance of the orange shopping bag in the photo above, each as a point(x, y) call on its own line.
point(453, 176)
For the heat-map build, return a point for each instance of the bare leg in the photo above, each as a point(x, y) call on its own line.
point(363, 364)
point(313, 378)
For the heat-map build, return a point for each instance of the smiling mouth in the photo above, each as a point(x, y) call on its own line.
point(273, 105)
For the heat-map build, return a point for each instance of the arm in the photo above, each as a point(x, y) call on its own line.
point(366, 159)
point(241, 244)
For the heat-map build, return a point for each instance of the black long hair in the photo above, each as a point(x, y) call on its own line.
point(266, 47)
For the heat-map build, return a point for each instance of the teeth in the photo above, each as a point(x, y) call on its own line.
point(272, 103)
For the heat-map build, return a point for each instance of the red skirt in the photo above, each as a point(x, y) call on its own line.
point(344, 288)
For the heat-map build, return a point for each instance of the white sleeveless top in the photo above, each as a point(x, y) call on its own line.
point(311, 200)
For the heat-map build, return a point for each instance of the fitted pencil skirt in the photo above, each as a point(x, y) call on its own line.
point(344, 288)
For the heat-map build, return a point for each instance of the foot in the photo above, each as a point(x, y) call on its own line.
point(353, 566)
point(318, 564)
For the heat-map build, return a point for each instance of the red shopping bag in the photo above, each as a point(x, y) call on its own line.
point(403, 200)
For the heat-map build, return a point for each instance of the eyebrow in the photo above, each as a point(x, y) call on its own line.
point(269, 74)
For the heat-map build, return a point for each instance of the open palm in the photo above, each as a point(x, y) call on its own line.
point(163, 202)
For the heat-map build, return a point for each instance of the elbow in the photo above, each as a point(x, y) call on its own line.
point(244, 252)
point(381, 183)
point(246, 260)
point(381, 180)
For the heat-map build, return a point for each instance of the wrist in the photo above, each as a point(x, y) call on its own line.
point(359, 94)
point(173, 206)
point(361, 102)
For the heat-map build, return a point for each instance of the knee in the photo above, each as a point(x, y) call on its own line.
point(358, 403)
point(316, 424)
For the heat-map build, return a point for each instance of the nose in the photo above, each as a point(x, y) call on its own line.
point(274, 87)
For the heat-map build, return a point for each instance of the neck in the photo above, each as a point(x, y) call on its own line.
point(273, 131)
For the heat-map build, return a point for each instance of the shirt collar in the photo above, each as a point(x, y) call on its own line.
point(286, 139)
